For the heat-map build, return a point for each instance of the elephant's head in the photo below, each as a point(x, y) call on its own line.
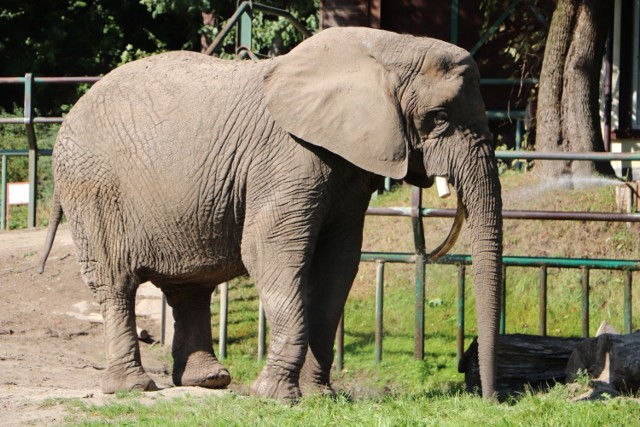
point(408, 108)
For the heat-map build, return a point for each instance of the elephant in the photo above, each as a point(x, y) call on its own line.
point(186, 171)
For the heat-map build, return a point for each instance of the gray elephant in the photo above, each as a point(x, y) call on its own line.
point(186, 171)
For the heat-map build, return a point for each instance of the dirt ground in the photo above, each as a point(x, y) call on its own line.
point(51, 338)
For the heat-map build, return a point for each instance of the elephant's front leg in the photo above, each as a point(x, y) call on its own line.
point(334, 268)
point(279, 270)
point(194, 362)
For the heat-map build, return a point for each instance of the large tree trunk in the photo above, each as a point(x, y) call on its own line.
point(568, 107)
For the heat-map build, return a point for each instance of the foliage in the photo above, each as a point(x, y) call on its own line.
point(74, 37)
point(523, 33)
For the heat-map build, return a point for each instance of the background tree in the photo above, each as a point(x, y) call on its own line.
point(568, 106)
point(74, 37)
point(567, 57)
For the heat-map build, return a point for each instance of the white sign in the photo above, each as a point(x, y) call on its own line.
point(18, 193)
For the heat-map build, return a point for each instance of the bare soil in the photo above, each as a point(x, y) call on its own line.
point(51, 338)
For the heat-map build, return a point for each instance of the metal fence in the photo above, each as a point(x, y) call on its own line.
point(416, 212)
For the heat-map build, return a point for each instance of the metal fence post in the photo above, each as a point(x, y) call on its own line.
point(418, 335)
point(340, 344)
point(4, 203)
point(33, 149)
point(585, 302)
point(503, 310)
point(224, 311)
point(243, 41)
point(543, 301)
point(420, 260)
point(379, 310)
point(262, 332)
point(628, 300)
point(461, 296)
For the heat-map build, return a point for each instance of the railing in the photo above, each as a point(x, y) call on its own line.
point(416, 212)
point(242, 18)
point(28, 120)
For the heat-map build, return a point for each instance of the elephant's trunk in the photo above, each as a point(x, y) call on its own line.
point(481, 197)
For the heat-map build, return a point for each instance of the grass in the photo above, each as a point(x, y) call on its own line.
point(452, 408)
point(402, 390)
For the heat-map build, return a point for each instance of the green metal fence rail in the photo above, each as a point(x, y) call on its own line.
point(33, 152)
point(416, 212)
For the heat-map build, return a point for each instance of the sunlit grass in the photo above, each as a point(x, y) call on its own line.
point(402, 390)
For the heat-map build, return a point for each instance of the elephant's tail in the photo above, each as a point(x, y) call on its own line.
point(54, 221)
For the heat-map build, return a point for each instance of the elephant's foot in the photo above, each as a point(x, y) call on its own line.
point(201, 369)
point(314, 381)
point(118, 381)
point(276, 383)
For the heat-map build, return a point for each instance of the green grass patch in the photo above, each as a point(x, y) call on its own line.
point(405, 391)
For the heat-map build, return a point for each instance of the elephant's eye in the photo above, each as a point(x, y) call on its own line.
point(433, 124)
point(440, 120)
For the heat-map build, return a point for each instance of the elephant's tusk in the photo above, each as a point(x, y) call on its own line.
point(453, 234)
point(443, 187)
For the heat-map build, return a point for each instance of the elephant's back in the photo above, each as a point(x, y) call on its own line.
point(170, 109)
point(154, 137)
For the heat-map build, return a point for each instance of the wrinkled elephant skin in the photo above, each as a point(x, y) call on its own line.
point(186, 171)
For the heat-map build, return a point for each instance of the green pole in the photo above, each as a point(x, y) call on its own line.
point(628, 309)
point(262, 332)
point(461, 291)
point(585, 302)
point(244, 29)
point(418, 335)
point(340, 344)
point(3, 195)
point(379, 310)
point(543, 301)
point(224, 315)
point(33, 149)
point(454, 21)
point(503, 311)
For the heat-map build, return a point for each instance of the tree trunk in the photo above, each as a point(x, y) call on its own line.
point(568, 105)
point(549, 135)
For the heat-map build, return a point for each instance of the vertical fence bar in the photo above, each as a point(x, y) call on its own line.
point(33, 149)
point(4, 203)
point(387, 184)
point(585, 302)
point(543, 301)
point(163, 321)
point(454, 22)
point(244, 29)
point(418, 239)
point(262, 332)
point(224, 311)
point(519, 163)
point(628, 300)
point(418, 334)
point(379, 310)
point(340, 344)
point(503, 311)
point(461, 292)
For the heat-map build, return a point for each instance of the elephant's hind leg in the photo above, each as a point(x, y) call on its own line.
point(194, 362)
point(124, 368)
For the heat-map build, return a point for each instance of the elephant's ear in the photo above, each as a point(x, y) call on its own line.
point(331, 92)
